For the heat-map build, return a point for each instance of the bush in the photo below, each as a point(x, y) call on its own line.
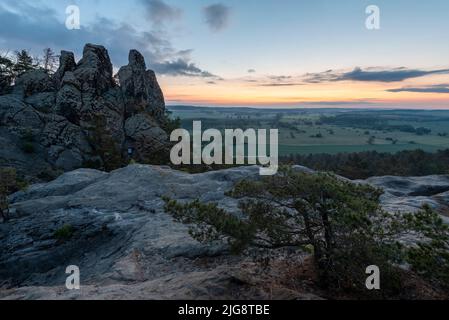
point(104, 145)
point(430, 258)
point(8, 184)
point(48, 175)
point(28, 141)
point(28, 147)
point(169, 124)
point(64, 233)
point(340, 221)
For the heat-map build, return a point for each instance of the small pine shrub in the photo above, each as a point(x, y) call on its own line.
point(64, 233)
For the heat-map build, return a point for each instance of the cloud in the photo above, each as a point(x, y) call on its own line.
point(352, 103)
point(30, 25)
point(181, 67)
point(437, 88)
point(159, 12)
point(280, 78)
point(281, 84)
point(36, 27)
point(217, 16)
point(280, 81)
point(251, 71)
point(374, 75)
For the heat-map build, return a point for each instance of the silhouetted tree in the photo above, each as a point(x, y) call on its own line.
point(24, 62)
point(6, 74)
point(49, 60)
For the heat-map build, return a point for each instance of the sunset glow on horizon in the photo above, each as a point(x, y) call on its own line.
point(240, 92)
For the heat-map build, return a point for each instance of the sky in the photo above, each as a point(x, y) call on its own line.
point(275, 53)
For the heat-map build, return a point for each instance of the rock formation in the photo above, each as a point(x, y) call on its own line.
point(80, 116)
point(127, 247)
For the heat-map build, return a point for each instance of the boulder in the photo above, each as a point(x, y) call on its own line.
point(145, 137)
point(43, 102)
point(32, 82)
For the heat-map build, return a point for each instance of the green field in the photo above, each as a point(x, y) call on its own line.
point(332, 131)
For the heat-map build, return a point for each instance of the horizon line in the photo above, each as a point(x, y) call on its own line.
point(280, 108)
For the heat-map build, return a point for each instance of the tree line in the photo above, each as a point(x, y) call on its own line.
point(363, 165)
point(14, 65)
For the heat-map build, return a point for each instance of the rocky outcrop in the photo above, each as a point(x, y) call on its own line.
point(66, 64)
point(127, 247)
point(140, 88)
point(80, 116)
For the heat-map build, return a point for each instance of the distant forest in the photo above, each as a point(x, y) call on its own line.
point(369, 164)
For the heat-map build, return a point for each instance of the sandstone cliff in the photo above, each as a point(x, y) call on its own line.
point(83, 116)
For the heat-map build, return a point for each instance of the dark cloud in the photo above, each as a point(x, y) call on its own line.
point(251, 71)
point(36, 27)
point(349, 103)
point(319, 77)
point(181, 67)
point(217, 16)
point(160, 12)
point(391, 75)
point(438, 88)
point(280, 78)
point(281, 84)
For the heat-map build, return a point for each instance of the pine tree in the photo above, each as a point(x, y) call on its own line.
point(24, 62)
point(6, 74)
point(340, 223)
point(49, 60)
